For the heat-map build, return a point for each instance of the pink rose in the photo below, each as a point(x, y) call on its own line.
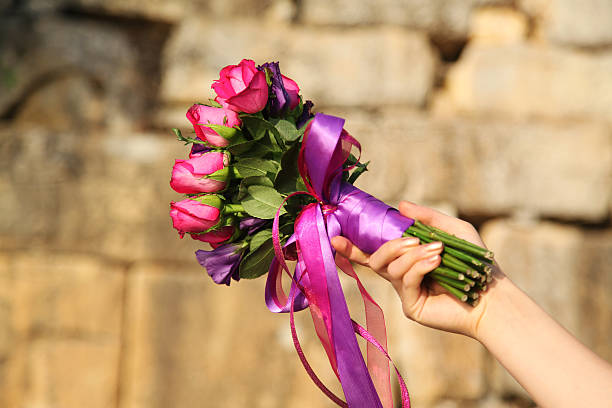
point(189, 176)
point(200, 115)
point(242, 88)
point(216, 237)
point(293, 90)
point(195, 215)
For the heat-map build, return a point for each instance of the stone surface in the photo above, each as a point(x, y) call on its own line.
point(392, 67)
point(107, 196)
point(486, 166)
point(448, 18)
point(171, 11)
point(583, 24)
point(189, 341)
point(524, 80)
point(327, 75)
point(64, 321)
point(498, 26)
point(561, 268)
point(51, 49)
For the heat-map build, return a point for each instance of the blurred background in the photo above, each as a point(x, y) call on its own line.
point(497, 111)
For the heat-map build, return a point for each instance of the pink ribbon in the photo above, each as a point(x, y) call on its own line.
point(341, 209)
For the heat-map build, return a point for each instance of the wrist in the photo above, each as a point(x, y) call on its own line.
point(495, 307)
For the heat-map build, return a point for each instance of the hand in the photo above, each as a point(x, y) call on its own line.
point(404, 263)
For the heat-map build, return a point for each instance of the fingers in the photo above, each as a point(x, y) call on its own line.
point(423, 214)
point(408, 270)
point(391, 250)
point(347, 249)
point(455, 226)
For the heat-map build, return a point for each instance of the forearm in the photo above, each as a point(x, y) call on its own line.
point(552, 365)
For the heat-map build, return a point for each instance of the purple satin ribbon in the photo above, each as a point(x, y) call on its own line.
point(342, 210)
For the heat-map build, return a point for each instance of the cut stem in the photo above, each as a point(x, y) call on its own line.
point(450, 281)
point(454, 291)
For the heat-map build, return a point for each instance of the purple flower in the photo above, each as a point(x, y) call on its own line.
point(306, 114)
point(285, 90)
point(222, 262)
point(251, 224)
point(197, 149)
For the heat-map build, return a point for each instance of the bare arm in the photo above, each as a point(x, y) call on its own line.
point(551, 364)
point(554, 367)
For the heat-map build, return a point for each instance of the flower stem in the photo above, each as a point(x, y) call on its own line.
point(462, 296)
point(450, 281)
point(232, 208)
point(437, 233)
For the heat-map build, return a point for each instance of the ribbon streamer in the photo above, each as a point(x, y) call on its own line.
point(341, 209)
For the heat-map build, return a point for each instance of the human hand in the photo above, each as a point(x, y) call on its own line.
point(404, 263)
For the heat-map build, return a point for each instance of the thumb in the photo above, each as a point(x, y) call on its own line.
point(347, 249)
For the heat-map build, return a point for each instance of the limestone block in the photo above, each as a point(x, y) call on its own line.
point(190, 342)
point(391, 66)
point(531, 81)
point(71, 373)
point(50, 49)
point(66, 293)
point(69, 103)
point(562, 269)
point(486, 166)
point(559, 170)
point(107, 196)
point(64, 322)
point(362, 67)
point(584, 24)
point(170, 11)
point(446, 18)
point(498, 26)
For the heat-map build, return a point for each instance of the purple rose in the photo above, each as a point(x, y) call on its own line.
point(251, 224)
point(306, 114)
point(222, 262)
point(285, 90)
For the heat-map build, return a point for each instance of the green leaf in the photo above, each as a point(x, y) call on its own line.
point(259, 238)
point(250, 148)
point(257, 262)
point(249, 167)
point(256, 126)
point(288, 177)
point(262, 202)
point(287, 130)
point(359, 170)
point(228, 133)
point(252, 181)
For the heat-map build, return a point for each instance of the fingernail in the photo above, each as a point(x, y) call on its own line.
point(434, 246)
point(433, 259)
point(410, 241)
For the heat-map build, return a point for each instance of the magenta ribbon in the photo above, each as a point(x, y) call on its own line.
point(341, 209)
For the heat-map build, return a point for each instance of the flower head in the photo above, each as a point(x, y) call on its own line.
point(242, 88)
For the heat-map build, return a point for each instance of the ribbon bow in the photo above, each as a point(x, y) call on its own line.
point(341, 209)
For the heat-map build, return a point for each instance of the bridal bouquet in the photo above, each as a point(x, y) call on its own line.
point(267, 181)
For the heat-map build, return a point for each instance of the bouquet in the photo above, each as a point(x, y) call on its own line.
point(268, 181)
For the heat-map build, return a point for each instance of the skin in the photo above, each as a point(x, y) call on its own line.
point(552, 365)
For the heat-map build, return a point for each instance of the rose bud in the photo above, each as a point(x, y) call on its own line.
point(202, 115)
point(285, 89)
point(215, 237)
point(196, 214)
point(190, 176)
point(222, 263)
point(242, 88)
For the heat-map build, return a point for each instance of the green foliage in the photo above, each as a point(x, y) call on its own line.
point(262, 202)
point(259, 239)
point(257, 262)
point(250, 167)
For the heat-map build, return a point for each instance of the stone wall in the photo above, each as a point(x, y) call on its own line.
point(497, 111)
